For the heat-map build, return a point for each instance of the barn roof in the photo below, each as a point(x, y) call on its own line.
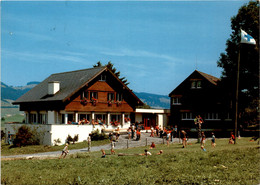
point(211, 79)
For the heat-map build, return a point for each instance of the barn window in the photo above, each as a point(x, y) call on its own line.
point(196, 84)
point(176, 101)
point(103, 78)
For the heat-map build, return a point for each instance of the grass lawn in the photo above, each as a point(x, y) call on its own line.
point(14, 118)
point(225, 164)
point(9, 150)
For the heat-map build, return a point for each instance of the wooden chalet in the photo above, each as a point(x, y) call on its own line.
point(95, 94)
point(199, 94)
point(77, 103)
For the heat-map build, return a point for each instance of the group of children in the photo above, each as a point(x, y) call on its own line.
point(202, 140)
point(146, 153)
point(134, 132)
point(65, 151)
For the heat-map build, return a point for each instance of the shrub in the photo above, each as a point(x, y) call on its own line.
point(57, 142)
point(75, 138)
point(69, 139)
point(2, 135)
point(25, 137)
point(96, 135)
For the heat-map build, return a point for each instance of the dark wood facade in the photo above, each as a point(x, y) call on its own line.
point(199, 94)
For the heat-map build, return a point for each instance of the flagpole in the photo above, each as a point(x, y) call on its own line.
point(237, 90)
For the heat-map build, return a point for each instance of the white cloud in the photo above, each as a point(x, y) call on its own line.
point(138, 53)
point(44, 57)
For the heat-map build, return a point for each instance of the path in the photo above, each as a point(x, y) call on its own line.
point(121, 144)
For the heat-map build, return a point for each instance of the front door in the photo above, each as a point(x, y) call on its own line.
point(149, 121)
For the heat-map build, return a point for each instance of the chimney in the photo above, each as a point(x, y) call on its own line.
point(53, 87)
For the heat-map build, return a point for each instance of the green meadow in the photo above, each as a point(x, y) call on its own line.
point(225, 164)
point(6, 149)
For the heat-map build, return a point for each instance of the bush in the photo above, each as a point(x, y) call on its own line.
point(96, 135)
point(69, 139)
point(25, 137)
point(75, 138)
point(57, 142)
point(2, 135)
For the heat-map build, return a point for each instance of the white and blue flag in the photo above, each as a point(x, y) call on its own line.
point(246, 38)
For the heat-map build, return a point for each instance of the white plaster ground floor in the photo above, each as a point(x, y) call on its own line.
point(50, 125)
point(48, 133)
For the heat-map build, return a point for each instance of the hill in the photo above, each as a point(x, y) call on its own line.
point(10, 94)
point(154, 100)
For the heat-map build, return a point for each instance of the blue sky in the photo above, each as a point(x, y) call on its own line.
point(155, 45)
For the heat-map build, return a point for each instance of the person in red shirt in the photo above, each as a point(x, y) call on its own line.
point(152, 145)
point(138, 135)
point(157, 130)
point(232, 138)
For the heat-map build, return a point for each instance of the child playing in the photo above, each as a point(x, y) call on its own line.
point(184, 139)
point(103, 153)
point(232, 138)
point(65, 151)
point(203, 139)
point(112, 148)
point(160, 152)
point(213, 140)
point(146, 152)
point(168, 135)
point(152, 145)
point(202, 147)
point(152, 132)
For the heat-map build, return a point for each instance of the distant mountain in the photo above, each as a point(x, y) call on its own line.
point(154, 100)
point(13, 93)
point(10, 94)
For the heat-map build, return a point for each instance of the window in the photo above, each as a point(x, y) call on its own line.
point(32, 118)
point(94, 95)
point(42, 118)
point(101, 118)
point(196, 84)
point(119, 97)
point(82, 116)
point(84, 95)
point(193, 85)
point(187, 116)
point(70, 118)
point(102, 78)
point(115, 117)
point(110, 96)
point(212, 116)
point(176, 101)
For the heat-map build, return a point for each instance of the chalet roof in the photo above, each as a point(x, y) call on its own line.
point(70, 82)
point(211, 79)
